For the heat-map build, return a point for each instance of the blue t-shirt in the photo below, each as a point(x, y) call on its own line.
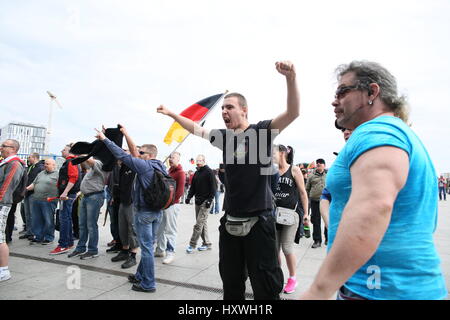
point(326, 195)
point(406, 264)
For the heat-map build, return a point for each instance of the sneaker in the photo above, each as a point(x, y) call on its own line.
point(316, 245)
point(59, 250)
point(159, 254)
point(5, 276)
point(189, 249)
point(137, 287)
point(74, 253)
point(24, 231)
point(131, 261)
point(290, 286)
point(35, 241)
point(122, 256)
point(24, 236)
point(169, 258)
point(132, 278)
point(88, 255)
point(46, 242)
point(111, 243)
point(114, 249)
point(204, 248)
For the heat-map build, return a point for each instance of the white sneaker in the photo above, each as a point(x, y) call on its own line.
point(169, 258)
point(159, 254)
point(6, 275)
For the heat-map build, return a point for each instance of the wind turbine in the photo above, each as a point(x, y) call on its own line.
point(53, 101)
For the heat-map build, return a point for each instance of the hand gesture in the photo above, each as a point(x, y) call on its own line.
point(163, 110)
point(123, 130)
point(100, 135)
point(286, 68)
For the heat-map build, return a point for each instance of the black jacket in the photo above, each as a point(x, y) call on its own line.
point(98, 149)
point(126, 179)
point(203, 186)
point(32, 172)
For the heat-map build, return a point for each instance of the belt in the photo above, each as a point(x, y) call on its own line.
point(92, 193)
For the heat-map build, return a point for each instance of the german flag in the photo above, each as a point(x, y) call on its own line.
point(196, 113)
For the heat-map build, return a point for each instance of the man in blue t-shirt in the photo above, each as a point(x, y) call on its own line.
point(384, 209)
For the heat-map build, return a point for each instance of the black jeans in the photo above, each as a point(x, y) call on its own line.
point(254, 255)
point(10, 222)
point(316, 220)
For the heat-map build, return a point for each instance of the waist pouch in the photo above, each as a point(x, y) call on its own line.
point(286, 216)
point(239, 227)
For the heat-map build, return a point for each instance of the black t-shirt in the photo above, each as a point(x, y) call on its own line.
point(247, 157)
point(287, 193)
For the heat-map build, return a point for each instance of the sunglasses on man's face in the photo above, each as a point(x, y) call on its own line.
point(342, 91)
point(5, 146)
point(143, 152)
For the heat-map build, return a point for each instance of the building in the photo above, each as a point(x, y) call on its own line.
point(31, 137)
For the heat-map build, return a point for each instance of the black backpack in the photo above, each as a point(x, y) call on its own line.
point(20, 191)
point(160, 194)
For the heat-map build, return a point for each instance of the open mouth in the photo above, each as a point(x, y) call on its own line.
point(226, 120)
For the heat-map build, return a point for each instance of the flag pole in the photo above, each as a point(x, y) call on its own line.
point(214, 105)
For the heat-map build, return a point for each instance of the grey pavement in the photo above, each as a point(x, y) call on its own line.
point(37, 275)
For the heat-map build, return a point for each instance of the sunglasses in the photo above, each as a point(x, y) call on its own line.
point(142, 153)
point(342, 91)
point(5, 146)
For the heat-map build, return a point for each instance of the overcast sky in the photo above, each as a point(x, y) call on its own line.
point(113, 62)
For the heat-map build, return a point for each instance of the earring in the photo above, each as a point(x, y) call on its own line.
point(370, 102)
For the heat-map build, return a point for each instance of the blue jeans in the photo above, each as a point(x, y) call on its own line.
point(146, 224)
point(65, 223)
point(442, 191)
point(215, 207)
point(89, 211)
point(43, 226)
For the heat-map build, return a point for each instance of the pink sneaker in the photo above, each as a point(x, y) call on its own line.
point(290, 286)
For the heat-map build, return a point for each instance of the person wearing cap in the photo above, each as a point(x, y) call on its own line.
point(314, 188)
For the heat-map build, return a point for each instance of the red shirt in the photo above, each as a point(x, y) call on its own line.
point(179, 176)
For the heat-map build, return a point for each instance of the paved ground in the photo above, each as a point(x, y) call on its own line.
point(37, 275)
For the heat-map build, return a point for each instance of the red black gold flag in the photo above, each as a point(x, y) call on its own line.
point(196, 113)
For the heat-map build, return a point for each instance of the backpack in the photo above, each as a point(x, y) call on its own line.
point(20, 191)
point(160, 194)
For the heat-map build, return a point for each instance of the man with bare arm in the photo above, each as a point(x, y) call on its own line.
point(247, 230)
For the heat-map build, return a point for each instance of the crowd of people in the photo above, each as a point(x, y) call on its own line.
point(364, 199)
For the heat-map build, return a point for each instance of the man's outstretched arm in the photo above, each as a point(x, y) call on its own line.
point(287, 69)
point(186, 123)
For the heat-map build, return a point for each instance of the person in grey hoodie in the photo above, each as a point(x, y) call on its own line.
point(146, 221)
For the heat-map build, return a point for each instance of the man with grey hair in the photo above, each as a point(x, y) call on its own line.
point(384, 209)
point(204, 188)
point(11, 172)
point(44, 187)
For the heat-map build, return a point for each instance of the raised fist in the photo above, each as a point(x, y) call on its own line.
point(286, 68)
point(163, 110)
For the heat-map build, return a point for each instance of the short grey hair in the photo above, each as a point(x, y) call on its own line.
point(15, 144)
point(367, 72)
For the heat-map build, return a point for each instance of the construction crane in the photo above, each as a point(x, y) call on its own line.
point(53, 101)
